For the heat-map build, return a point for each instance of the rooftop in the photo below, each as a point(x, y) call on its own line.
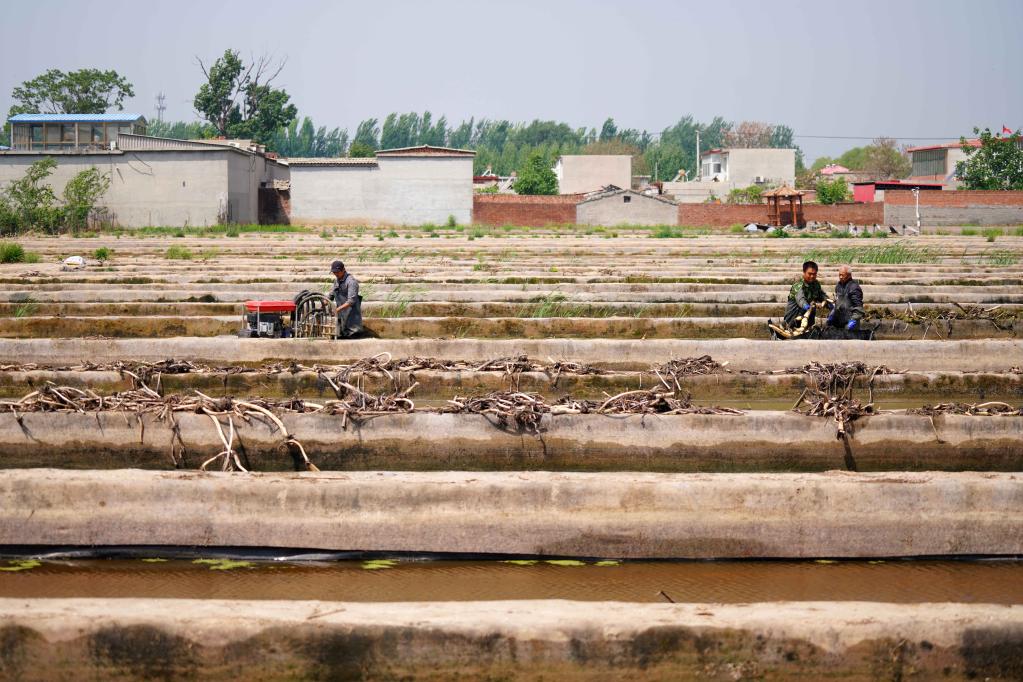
point(426, 150)
point(330, 161)
point(944, 145)
point(120, 117)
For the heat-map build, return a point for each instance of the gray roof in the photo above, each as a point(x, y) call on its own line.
point(76, 118)
point(596, 196)
point(330, 161)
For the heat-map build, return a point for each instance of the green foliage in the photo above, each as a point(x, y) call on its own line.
point(361, 150)
point(992, 233)
point(536, 177)
point(86, 91)
point(778, 233)
point(489, 189)
point(996, 165)
point(11, 253)
point(102, 254)
point(178, 253)
point(832, 191)
point(181, 130)
point(31, 199)
point(26, 308)
point(892, 254)
point(239, 101)
point(294, 140)
point(749, 195)
point(367, 138)
point(81, 194)
point(451, 221)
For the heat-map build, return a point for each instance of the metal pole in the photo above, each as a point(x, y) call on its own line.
point(699, 168)
point(916, 195)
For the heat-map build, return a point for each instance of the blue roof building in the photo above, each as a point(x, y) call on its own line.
point(66, 132)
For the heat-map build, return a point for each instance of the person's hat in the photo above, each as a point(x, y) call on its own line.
point(337, 266)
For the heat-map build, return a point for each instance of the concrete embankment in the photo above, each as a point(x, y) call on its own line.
point(756, 441)
point(270, 640)
point(926, 356)
point(621, 515)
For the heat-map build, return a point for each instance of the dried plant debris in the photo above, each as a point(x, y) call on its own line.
point(832, 392)
point(988, 409)
point(940, 320)
point(672, 372)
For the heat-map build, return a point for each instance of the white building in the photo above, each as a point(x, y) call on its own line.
point(408, 186)
point(159, 181)
point(583, 173)
point(937, 163)
point(722, 170)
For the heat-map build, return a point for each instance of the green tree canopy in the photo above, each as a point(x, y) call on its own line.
point(308, 140)
point(832, 191)
point(86, 91)
point(996, 164)
point(240, 101)
point(536, 177)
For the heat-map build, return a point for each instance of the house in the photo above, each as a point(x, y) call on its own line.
point(581, 173)
point(616, 206)
point(937, 162)
point(153, 181)
point(66, 132)
point(722, 170)
point(873, 190)
point(407, 186)
point(833, 171)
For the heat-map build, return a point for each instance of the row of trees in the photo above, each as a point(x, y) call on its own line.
point(882, 159)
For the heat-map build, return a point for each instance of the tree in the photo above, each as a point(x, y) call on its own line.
point(366, 138)
point(181, 130)
point(750, 135)
point(996, 164)
point(832, 191)
point(307, 140)
point(884, 160)
point(536, 177)
point(81, 194)
point(86, 91)
point(239, 100)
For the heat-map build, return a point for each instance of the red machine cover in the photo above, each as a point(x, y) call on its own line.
point(270, 306)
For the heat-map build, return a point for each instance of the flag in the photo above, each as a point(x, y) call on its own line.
point(1006, 131)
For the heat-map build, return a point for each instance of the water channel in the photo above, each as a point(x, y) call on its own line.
point(404, 579)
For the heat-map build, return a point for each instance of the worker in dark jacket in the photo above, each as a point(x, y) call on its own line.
point(345, 295)
point(848, 312)
point(804, 294)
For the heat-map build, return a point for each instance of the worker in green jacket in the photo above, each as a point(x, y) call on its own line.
point(804, 294)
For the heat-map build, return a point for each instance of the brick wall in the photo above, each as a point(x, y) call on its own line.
point(722, 215)
point(513, 209)
point(955, 207)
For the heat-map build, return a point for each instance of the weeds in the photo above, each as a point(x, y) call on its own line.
point(993, 233)
point(889, 254)
point(26, 308)
point(1000, 257)
point(178, 253)
point(102, 254)
point(11, 253)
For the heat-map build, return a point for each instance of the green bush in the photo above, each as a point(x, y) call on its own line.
point(451, 221)
point(993, 233)
point(748, 195)
point(81, 194)
point(778, 233)
point(232, 231)
point(11, 253)
point(178, 253)
point(102, 254)
point(737, 228)
point(832, 191)
point(968, 232)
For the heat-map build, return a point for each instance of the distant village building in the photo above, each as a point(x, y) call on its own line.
point(582, 173)
point(616, 206)
point(408, 186)
point(722, 170)
point(937, 162)
point(153, 181)
point(874, 190)
point(67, 132)
point(834, 171)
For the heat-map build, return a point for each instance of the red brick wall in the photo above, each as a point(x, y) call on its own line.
point(722, 215)
point(513, 209)
point(955, 198)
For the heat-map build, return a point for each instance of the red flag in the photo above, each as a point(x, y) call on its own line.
point(1006, 131)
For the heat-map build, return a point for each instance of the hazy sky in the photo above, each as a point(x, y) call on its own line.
point(852, 68)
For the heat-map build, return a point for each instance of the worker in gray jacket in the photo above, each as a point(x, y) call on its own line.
point(848, 312)
point(345, 295)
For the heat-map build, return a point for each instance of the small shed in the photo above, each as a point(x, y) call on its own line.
point(778, 213)
point(617, 206)
point(868, 192)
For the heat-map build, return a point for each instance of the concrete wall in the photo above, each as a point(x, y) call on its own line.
point(723, 215)
point(400, 190)
point(146, 188)
point(954, 208)
point(514, 209)
point(626, 208)
point(581, 173)
point(697, 192)
point(777, 165)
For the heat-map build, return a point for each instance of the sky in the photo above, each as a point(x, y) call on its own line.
point(861, 69)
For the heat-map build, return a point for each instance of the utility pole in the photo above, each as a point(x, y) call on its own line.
point(160, 106)
point(699, 168)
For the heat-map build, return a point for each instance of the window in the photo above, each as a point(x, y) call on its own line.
point(626, 199)
point(52, 133)
point(717, 168)
point(67, 133)
point(97, 133)
point(929, 162)
point(37, 133)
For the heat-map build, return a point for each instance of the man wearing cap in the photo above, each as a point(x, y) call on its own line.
point(345, 295)
point(848, 312)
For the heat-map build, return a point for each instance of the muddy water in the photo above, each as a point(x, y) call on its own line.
point(989, 581)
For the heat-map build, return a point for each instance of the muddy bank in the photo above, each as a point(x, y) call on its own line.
point(171, 639)
point(755, 441)
point(613, 515)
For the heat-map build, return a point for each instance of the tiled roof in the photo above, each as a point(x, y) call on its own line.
point(76, 118)
point(330, 161)
point(426, 150)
